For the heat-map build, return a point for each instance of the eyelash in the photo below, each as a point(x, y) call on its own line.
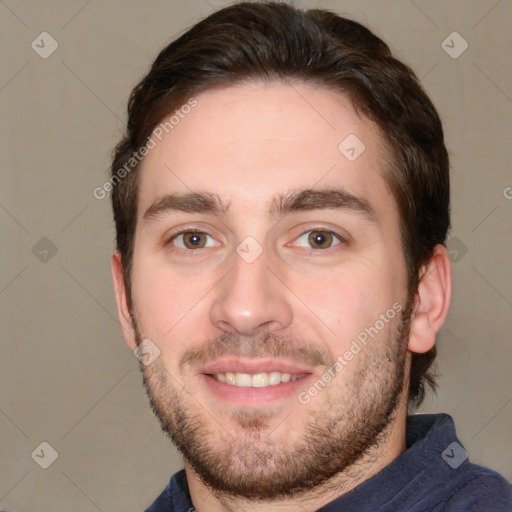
point(173, 237)
point(310, 250)
point(340, 240)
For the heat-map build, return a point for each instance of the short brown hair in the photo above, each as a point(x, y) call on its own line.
point(271, 41)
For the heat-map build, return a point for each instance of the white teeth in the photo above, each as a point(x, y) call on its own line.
point(274, 378)
point(257, 380)
point(243, 380)
point(260, 380)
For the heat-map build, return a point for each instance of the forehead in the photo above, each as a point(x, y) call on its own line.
point(251, 142)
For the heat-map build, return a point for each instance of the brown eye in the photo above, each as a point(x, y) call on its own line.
point(192, 240)
point(320, 239)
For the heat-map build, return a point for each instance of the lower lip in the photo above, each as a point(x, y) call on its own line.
point(246, 396)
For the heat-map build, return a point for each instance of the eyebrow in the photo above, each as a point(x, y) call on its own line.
point(196, 202)
point(322, 200)
point(293, 201)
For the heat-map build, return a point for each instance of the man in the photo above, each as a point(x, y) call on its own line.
point(281, 200)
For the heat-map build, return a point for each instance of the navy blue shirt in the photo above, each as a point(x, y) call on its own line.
point(432, 475)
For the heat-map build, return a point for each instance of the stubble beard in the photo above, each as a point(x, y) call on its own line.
point(248, 462)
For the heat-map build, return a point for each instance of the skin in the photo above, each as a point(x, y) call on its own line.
point(249, 144)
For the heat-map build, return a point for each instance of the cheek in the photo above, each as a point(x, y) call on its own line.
point(349, 300)
point(167, 303)
point(155, 298)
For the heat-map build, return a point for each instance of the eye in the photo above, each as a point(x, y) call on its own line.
point(318, 239)
point(192, 240)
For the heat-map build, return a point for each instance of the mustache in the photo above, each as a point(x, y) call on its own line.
point(266, 345)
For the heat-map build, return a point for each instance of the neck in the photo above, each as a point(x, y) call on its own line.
point(371, 463)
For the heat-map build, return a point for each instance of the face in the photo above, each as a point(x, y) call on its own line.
point(268, 271)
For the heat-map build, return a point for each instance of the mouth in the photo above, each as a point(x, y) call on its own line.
point(251, 381)
point(257, 380)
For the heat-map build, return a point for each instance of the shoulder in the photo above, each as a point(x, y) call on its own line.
point(445, 478)
point(175, 496)
point(479, 489)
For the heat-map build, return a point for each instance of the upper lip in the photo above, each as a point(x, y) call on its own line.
point(253, 365)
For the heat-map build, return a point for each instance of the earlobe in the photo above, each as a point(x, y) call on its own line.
point(432, 302)
point(122, 300)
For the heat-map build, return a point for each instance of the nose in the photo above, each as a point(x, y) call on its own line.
point(251, 300)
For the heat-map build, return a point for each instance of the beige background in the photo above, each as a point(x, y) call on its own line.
point(66, 375)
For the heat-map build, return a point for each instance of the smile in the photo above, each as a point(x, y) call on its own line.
point(257, 380)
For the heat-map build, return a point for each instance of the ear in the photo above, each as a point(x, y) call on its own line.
point(122, 299)
point(432, 301)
